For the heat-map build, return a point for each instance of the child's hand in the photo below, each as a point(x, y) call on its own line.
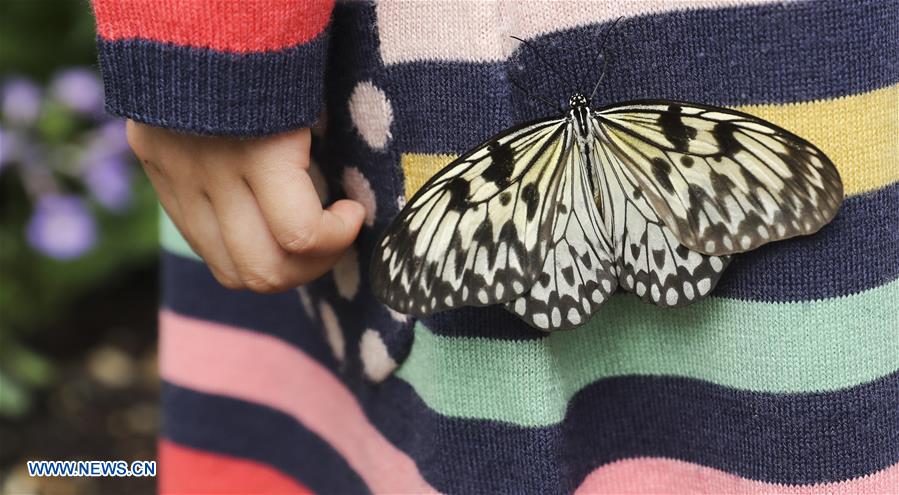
point(248, 207)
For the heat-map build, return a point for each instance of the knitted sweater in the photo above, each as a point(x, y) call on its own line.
point(785, 378)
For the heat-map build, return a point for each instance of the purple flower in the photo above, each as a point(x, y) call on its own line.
point(109, 180)
point(78, 89)
point(21, 101)
point(107, 141)
point(61, 227)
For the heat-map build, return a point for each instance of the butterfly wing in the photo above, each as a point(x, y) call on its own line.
point(722, 181)
point(651, 261)
point(577, 273)
point(474, 234)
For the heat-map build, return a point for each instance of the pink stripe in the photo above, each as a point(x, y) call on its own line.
point(232, 362)
point(655, 475)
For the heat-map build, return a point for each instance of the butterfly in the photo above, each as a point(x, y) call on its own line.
point(551, 217)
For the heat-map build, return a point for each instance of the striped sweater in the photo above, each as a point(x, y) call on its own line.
point(786, 379)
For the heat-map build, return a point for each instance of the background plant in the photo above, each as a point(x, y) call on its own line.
point(75, 212)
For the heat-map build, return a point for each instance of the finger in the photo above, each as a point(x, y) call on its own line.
point(293, 211)
point(262, 264)
point(167, 199)
point(200, 219)
point(190, 211)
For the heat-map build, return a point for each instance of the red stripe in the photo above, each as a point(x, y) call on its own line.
point(184, 470)
point(227, 25)
point(654, 475)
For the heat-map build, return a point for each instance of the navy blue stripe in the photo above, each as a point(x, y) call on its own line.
point(250, 431)
point(188, 288)
point(857, 251)
point(213, 92)
point(777, 53)
point(776, 438)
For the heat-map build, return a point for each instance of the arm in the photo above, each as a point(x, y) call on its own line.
point(224, 68)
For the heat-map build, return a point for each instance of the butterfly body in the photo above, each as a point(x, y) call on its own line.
point(549, 218)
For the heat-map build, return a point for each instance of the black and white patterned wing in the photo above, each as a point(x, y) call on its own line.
point(651, 262)
point(722, 181)
point(474, 234)
point(578, 273)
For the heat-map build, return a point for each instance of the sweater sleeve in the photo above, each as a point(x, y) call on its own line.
point(222, 67)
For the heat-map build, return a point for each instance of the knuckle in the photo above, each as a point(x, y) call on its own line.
point(265, 281)
point(227, 282)
point(299, 240)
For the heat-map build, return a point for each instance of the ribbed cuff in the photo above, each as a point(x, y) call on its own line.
point(206, 91)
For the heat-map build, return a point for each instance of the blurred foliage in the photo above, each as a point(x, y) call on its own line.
point(39, 36)
point(75, 212)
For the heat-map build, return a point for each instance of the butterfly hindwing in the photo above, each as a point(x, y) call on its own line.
point(652, 263)
point(722, 181)
point(472, 235)
point(577, 273)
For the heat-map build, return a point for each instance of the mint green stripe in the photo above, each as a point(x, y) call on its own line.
point(172, 240)
point(766, 347)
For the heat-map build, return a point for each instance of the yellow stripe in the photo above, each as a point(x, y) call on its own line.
point(859, 133)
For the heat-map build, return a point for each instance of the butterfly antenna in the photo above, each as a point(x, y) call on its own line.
point(602, 53)
point(537, 97)
point(543, 60)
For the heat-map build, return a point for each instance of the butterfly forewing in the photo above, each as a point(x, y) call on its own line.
point(722, 181)
point(472, 235)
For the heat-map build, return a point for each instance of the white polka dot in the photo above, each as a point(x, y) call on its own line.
point(573, 316)
point(372, 114)
point(716, 263)
point(745, 241)
point(541, 320)
point(400, 202)
point(346, 274)
point(396, 315)
point(499, 291)
point(376, 361)
point(704, 286)
point(727, 243)
point(306, 301)
point(654, 291)
point(333, 332)
point(318, 181)
point(606, 285)
point(557, 317)
point(710, 246)
point(629, 281)
point(359, 189)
